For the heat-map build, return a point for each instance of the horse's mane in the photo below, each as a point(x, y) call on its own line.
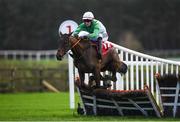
point(84, 41)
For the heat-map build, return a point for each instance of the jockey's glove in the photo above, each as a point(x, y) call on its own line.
point(76, 36)
point(85, 37)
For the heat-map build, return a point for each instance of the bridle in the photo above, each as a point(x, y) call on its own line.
point(75, 44)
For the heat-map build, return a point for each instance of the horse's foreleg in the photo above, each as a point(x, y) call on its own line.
point(82, 76)
point(97, 76)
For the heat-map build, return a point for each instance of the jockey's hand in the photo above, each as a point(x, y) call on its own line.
point(76, 36)
point(85, 37)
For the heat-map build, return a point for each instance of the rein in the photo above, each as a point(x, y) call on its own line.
point(75, 44)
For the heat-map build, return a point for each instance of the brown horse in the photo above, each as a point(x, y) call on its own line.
point(86, 58)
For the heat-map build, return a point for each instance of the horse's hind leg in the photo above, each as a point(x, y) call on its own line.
point(122, 68)
point(117, 64)
point(114, 79)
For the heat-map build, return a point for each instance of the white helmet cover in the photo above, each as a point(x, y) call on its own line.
point(88, 15)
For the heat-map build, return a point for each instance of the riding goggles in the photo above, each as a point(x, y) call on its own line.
point(86, 20)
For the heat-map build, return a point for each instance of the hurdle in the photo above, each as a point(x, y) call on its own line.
point(169, 86)
point(141, 70)
point(102, 101)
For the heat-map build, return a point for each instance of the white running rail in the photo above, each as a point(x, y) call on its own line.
point(28, 54)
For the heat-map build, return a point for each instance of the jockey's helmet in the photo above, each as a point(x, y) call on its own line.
point(88, 16)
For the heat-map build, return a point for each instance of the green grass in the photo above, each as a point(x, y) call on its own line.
point(48, 106)
point(51, 107)
point(35, 106)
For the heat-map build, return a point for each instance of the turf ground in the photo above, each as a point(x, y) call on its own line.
point(51, 107)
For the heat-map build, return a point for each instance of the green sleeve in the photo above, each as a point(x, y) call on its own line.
point(95, 33)
point(79, 28)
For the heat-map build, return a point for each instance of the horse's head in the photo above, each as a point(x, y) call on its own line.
point(64, 45)
point(68, 42)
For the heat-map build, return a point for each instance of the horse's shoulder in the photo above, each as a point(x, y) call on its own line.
point(85, 40)
point(88, 42)
point(93, 43)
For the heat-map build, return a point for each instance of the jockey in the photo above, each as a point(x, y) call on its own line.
point(92, 29)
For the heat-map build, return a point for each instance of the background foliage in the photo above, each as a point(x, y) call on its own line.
point(27, 24)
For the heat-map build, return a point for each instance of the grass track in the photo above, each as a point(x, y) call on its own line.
point(51, 107)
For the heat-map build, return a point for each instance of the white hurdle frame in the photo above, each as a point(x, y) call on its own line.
point(141, 70)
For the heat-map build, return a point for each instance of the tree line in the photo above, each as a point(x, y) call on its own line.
point(33, 25)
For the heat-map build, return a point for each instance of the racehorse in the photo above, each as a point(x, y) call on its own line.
point(86, 58)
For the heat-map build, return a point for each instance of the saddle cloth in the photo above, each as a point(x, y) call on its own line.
point(105, 47)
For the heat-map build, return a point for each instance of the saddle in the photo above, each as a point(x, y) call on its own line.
point(105, 47)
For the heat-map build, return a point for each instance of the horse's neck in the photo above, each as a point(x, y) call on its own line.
point(81, 48)
point(77, 47)
point(87, 43)
point(78, 50)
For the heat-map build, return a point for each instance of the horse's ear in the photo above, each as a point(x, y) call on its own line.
point(60, 34)
point(70, 34)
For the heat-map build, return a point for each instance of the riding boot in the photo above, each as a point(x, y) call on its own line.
point(99, 48)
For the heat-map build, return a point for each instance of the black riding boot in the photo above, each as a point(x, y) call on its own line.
point(99, 48)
